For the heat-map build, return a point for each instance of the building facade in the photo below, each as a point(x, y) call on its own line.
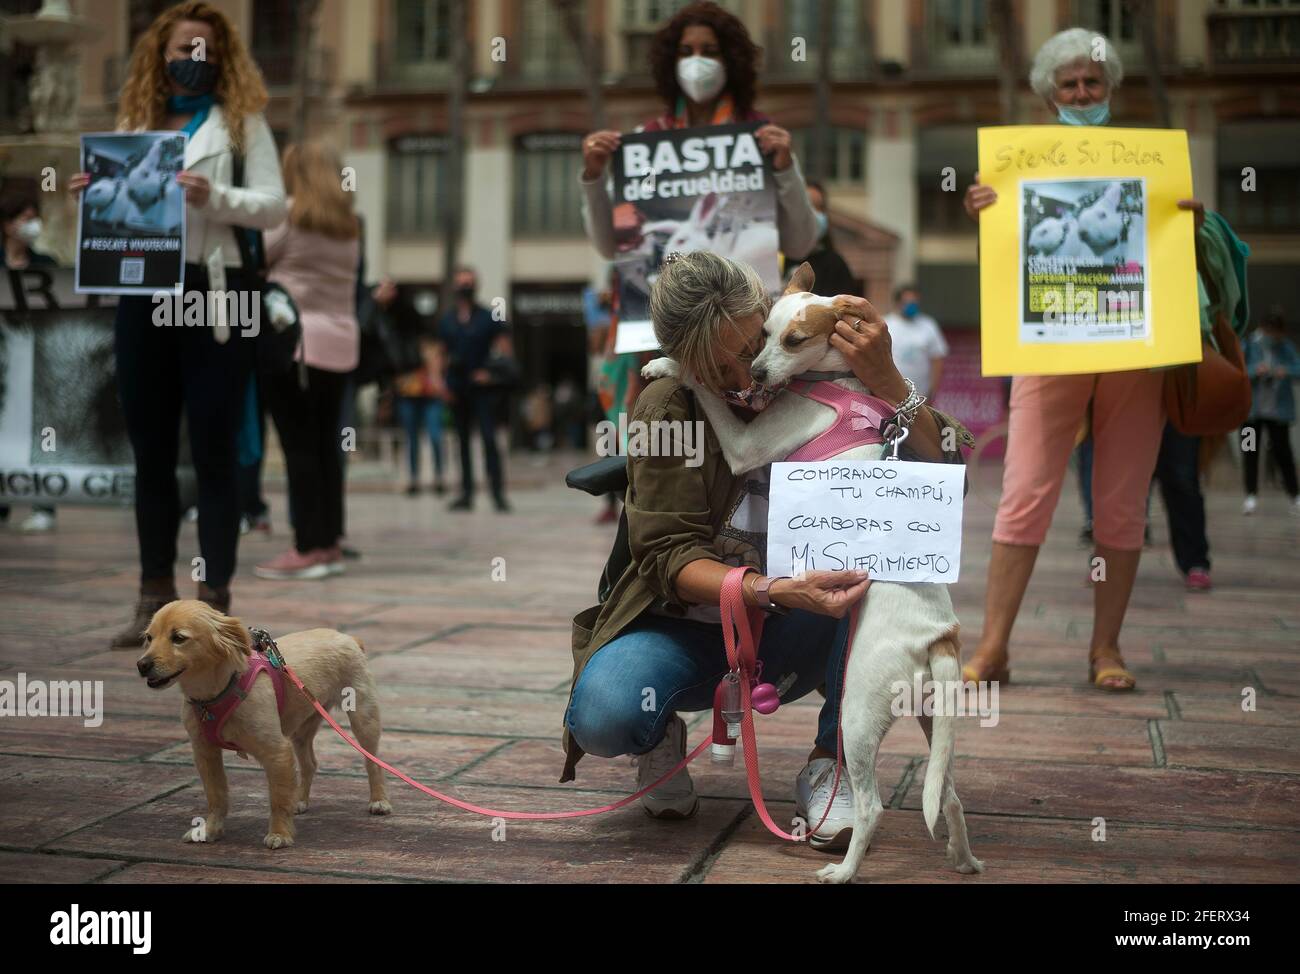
point(911, 82)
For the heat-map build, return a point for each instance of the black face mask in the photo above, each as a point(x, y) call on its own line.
point(465, 293)
point(199, 77)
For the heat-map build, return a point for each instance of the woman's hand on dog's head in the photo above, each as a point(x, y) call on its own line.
point(826, 593)
point(862, 337)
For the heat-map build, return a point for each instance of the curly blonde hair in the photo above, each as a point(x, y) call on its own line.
point(240, 90)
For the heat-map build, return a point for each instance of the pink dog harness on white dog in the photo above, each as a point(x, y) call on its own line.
point(214, 713)
point(858, 419)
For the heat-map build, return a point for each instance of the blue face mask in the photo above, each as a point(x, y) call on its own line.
point(1098, 114)
point(823, 224)
point(910, 309)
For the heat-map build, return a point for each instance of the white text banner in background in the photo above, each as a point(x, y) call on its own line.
point(897, 520)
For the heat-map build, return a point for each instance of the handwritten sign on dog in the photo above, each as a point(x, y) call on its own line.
point(896, 520)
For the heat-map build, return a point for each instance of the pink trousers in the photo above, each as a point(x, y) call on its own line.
point(1128, 418)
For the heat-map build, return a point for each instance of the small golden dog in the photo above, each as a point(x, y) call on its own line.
point(209, 655)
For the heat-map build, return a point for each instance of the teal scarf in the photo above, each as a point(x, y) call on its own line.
point(197, 105)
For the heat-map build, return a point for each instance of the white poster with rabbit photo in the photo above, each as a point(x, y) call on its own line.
point(131, 218)
point(687, 190)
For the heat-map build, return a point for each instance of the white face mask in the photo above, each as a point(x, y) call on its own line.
point(701, 77)
point(30, 231)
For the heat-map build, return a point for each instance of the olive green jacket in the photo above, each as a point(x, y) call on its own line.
point(674, 515)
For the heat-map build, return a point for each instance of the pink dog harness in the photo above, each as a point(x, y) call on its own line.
point(214, 713)
point(858, 419)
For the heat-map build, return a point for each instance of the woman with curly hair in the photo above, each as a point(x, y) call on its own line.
point(191, 72)
point(705, 69)
point(704, 66)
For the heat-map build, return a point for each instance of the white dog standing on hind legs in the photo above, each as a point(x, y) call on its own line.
point(902, 629)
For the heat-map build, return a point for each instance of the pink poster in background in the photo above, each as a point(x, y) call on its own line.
point(977, 402)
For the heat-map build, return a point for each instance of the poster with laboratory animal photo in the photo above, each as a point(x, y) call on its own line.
point(1083, 267)
point(131, 219)
point(686, 190)
point(63, 437)
point(1087, 262)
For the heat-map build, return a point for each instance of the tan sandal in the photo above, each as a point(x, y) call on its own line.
point(1098, 675)
point(971, 674)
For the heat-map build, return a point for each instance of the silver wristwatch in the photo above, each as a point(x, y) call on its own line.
point(762, 585)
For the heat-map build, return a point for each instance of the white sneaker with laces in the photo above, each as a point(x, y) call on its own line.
point(1249, 504)
point(676, 797)
point(812, 793)
point(37, 522)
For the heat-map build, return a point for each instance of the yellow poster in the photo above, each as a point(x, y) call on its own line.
point(1086, 262)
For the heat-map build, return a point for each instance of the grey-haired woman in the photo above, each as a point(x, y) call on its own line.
point(654, 648)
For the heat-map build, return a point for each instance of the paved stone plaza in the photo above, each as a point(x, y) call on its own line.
point(473, 676)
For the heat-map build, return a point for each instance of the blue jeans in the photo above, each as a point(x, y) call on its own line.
point(415, 414)
point(682, 660)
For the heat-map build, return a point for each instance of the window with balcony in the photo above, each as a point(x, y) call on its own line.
point(641, 18)
point(547, 200)
point(417, 173)
point(959, 37)
point(1267, 148)
point(15, 74)
point(1110, 17)
point(850, 50)
point(848, 154)
point(548, 52)
point(939, 209)
point(420, 39)
point(1263, 33)
point(273, 42)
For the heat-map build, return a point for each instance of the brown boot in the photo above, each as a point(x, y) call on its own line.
point(218, 598)
point(154, 594)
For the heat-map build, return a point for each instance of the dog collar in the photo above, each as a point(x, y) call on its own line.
point(822, 376)
point(204, 704)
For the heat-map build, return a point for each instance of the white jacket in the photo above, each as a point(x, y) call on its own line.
point(259, 203)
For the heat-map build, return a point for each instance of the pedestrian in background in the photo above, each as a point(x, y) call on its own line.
point(314, 256)
point(832, 273)
point(476, 345)
point(918, 344)
point(420, 396)
point(1179, 475)
point(1273, 365)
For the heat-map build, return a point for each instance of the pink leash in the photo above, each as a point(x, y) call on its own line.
point(735, 616)
point(741, 654)
point(470, 806)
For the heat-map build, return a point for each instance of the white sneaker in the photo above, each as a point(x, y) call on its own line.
point(1295, 506)
point(812, 792)
point(37, 522)
point(676, 797)
point(1249, 504)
